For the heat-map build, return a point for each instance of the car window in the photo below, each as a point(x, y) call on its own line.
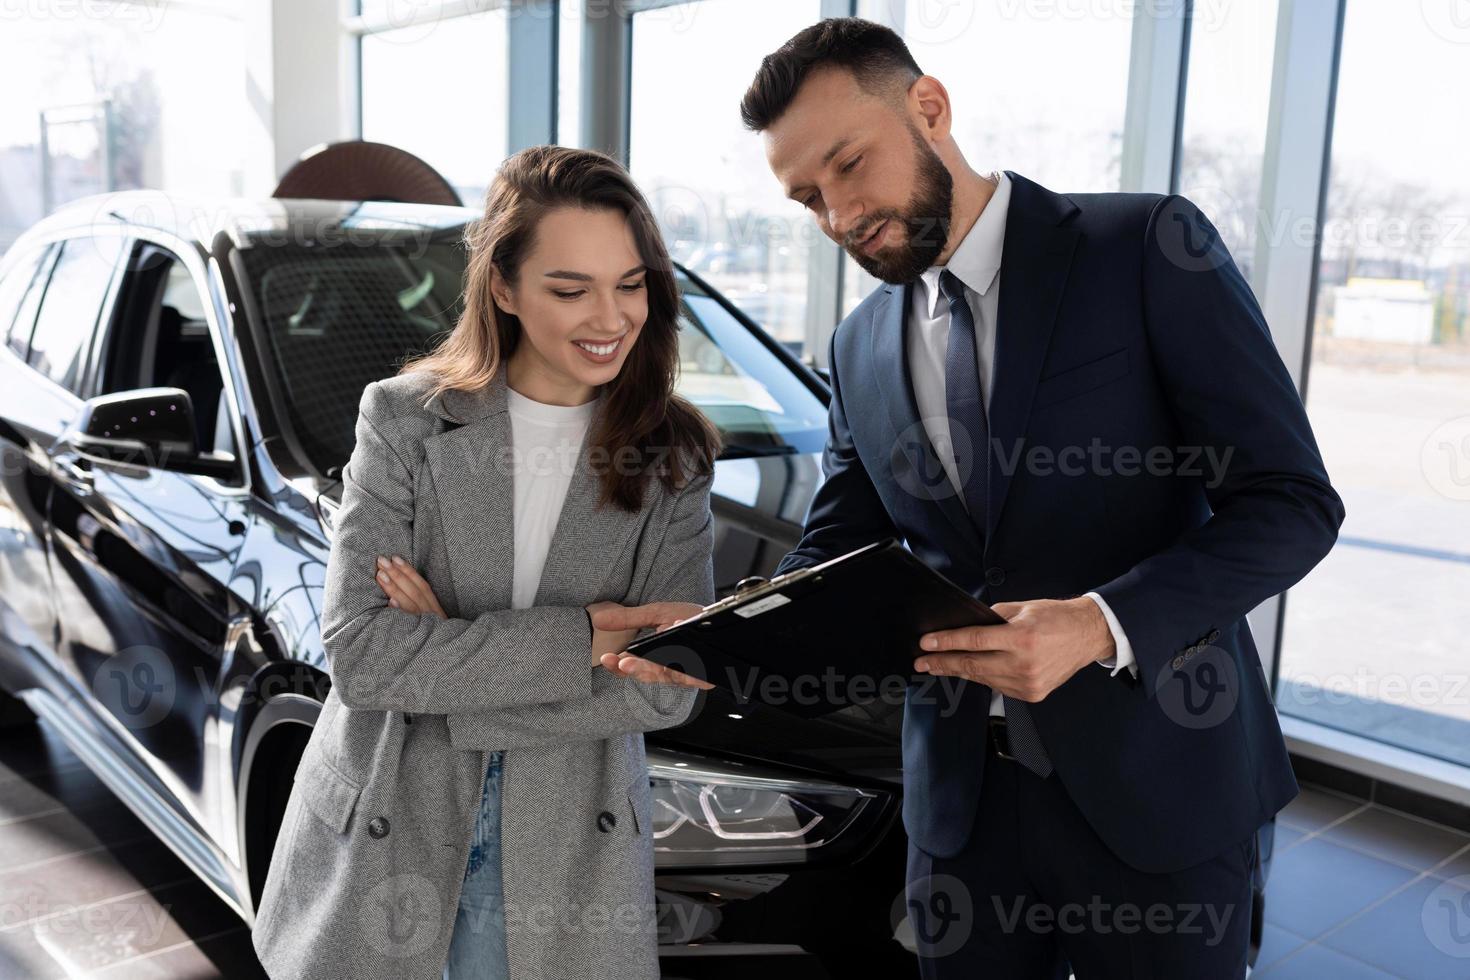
point(28, 287)
point(158, 337)
point(757, 403)
point(69, 308)
point(13, 287)
point(329, 321)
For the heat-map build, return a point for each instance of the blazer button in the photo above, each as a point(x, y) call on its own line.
point(1178, 662)
point(606, 821)
point(995, 576)
point(378, 827)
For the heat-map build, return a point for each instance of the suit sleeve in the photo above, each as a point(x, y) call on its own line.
point(385, 658)
point(1274, 515)
point(682, 570)
point(846, 512)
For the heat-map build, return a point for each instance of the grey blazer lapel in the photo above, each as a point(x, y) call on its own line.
point(472, 467)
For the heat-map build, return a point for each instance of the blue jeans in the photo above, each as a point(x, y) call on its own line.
point(477, 946)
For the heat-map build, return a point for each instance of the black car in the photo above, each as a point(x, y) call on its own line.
point(159, 603)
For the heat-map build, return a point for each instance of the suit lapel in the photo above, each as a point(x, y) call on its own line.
point(912, 460)
point(1035, 261)
point(472, 467)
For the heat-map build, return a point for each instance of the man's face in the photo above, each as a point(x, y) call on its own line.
point(866, 172)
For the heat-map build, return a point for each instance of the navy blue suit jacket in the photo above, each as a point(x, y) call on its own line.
point(1150, 445)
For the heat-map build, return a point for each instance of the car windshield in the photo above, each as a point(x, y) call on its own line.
point(328, 321)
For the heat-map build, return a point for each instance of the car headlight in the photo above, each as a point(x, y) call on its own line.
point(720, 813)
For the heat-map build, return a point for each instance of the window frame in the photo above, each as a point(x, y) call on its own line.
point(40, 279)
point(199, 275)
point(87, 347)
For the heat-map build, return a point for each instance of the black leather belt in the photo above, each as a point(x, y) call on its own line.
point(999, 739)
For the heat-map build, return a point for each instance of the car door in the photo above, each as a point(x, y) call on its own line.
point(31, 415)
point(142, 555)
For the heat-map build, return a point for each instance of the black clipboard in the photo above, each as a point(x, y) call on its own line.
point(816, 639)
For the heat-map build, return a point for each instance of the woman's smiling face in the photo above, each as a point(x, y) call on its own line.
point(581, 301)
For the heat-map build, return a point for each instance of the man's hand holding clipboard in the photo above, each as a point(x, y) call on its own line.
point(817, 638)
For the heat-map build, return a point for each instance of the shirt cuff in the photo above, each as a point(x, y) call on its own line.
point(1124, 655)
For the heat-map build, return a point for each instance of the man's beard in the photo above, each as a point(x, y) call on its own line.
point(925, 220)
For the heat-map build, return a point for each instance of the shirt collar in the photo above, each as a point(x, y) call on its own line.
point(976, 259)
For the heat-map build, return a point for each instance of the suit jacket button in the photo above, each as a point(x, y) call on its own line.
point(378, 827)
point(1189, 653)
point(1214, 635)
point(606, 821)
point(1178, 662)
point(995, 576)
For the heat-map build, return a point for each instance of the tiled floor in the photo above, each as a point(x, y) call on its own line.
point(1360, 892)
point(87, 890)
point(1357, 891)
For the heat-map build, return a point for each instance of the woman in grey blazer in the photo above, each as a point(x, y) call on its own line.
point(474, 798)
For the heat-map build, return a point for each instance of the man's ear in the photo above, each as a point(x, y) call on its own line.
point(501, 291)
point(929, 101)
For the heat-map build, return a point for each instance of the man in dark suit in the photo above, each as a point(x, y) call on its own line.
point(1102, 443)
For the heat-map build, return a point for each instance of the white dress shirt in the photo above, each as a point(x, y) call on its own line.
point(976, 263)
point(546, 441)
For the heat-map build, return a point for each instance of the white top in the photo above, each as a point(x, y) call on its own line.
point(546, 441)
point(976, 263)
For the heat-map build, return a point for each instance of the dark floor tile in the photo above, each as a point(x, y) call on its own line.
point(1421, 933)
point(1286, 838)
point(1318, 884)
point(69, 788)
point(1458, 866)
point(1314, 809)
point(32, 751)
point(1276, 943)
point(84, 879)
point(233, 954)
point(1318, 963)
point(96, 937)
point(192, 962)
point(24, 843)
point(22, 955)
point(1324, 775)
point(1398, 838)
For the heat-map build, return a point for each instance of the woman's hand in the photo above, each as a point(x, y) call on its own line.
point(406, 588)
point(620, 625)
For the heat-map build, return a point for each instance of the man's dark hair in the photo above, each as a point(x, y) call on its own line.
point(875, 55)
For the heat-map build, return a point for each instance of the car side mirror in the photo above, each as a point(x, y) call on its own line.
point(145, 427)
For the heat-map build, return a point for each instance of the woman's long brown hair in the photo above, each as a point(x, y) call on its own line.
point(642, 428)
